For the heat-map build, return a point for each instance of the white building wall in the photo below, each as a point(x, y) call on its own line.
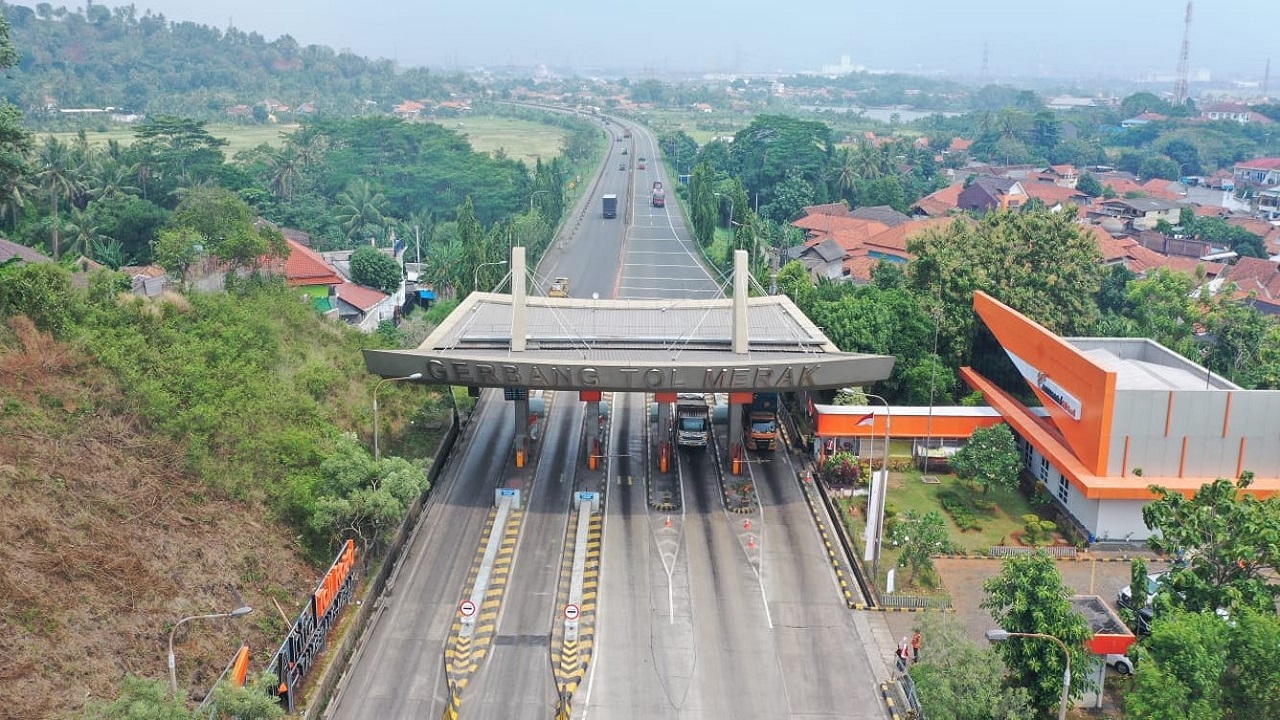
point(1101, 519)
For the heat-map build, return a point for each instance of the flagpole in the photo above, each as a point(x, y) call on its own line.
point(880, 500)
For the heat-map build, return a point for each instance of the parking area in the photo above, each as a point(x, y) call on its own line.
point(1103, 575)
point(963, 580)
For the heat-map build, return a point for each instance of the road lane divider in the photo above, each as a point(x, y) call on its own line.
point(476, 619)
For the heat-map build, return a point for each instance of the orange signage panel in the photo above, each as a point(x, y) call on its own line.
point(1078, 394)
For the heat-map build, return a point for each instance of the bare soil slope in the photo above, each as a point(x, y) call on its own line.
point(104, 543)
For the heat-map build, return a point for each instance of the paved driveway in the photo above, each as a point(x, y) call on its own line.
point(964, 578)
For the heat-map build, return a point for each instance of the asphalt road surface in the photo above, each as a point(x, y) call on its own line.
point(699, 616)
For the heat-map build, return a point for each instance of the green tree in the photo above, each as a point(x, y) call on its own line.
point(921, 536)
point(140, 699)
point(360, 211)
point(254, 701)
point(375, 269)
point(1028, 597)
point(359, 496)
point(958, 680)
point(173, 152)
point(1163, 306)
point(1158, 166)
point(703, 204)
point(1229, 539)
point(1089, 185)
point(1046, 130)
point(15, 141)
point(1039, 263)
point(177, 249)
point(774, 146)
point(225, 224)
point(990, 458)
point(41, 291)
point(57, 178)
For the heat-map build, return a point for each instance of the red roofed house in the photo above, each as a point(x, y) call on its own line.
point(940, 203)
point(408, 109)
point(305, 270)
point(364, 307)
point(1257, 282)
point(1259, 171)
point(1233, 111)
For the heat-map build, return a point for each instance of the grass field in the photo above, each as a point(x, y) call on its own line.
point(521, 139)
point(238, 137)
point(908, 491)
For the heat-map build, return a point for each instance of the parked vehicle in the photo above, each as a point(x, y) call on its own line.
point(1126, 593)
point(1122, 664)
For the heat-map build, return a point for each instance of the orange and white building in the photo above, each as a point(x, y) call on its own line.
point(1116, 416)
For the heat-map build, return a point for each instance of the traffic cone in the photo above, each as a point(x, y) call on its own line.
point(751, 543)
point(668, 522)
point(746, 524)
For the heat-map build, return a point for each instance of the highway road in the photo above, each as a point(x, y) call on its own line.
point(398, 670)
point(515, 682)
point(699, 617)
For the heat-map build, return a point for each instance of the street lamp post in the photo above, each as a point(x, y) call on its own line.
point(880, 501)
point(173, 663)
point(730, 199)
point(415, 376)
point(475, 278)
point(933, 370)
point(534, 195)
point(1002, 635)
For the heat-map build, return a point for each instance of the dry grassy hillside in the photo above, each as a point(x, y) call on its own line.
point(104, 544)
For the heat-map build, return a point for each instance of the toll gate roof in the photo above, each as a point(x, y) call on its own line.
point(630, 345)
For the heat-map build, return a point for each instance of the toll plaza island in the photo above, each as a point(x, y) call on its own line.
point(737, 345)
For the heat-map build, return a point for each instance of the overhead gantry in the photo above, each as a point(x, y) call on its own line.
point(737, 345)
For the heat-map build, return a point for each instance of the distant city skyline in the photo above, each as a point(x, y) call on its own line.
point(1130, 39)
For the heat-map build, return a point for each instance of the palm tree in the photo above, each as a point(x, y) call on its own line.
point(113, 179)
point(286, 166)
point(844, 171)
point(56, 177)
point(870, 161)
point(83, 232)
point(360, 210)
point(13, 197)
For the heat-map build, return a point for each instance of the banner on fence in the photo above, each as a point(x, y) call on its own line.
point(306, 639)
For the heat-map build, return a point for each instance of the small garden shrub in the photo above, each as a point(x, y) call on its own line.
point(960, 510)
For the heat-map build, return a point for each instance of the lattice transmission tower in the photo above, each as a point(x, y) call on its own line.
point(1184, 63)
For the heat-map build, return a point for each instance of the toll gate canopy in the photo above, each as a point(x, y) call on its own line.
point(734, 344)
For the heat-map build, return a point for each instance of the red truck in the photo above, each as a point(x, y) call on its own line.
point(659, 198)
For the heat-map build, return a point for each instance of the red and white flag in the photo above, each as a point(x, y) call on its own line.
point(868, 419)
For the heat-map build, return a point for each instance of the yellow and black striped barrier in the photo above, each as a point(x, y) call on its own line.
point(849, 598)
point(571, 651)
point(464, 651)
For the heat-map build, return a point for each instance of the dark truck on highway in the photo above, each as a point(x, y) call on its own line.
point(610, 206)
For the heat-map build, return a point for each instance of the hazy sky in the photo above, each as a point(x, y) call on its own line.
point(1081, 38)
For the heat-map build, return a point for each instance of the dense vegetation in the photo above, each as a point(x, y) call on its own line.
point(97, 56)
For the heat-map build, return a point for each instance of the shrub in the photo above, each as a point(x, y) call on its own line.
point(960, 511)
point(841, 470)
point(1036, 530)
